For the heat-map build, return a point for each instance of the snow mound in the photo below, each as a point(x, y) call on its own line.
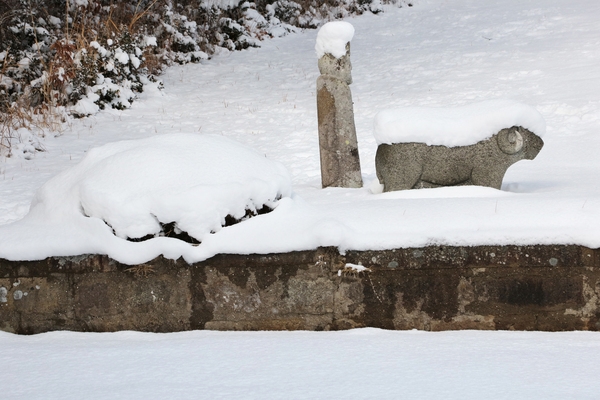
point(456, 126)
point(187, 182)
point(332, 38)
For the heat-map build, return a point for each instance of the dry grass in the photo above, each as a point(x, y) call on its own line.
point(40, 119)
point(141, 270)
point(10, 122)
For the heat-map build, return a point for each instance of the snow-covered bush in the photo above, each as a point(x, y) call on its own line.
point(178, 38)
point(108, 74)
point(184, 186)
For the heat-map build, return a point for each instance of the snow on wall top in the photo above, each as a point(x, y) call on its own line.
point(456, 126)
point(332, 38)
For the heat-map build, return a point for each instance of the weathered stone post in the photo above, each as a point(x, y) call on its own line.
point(340, 163)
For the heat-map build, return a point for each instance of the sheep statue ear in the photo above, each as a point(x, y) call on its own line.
point(510, 140)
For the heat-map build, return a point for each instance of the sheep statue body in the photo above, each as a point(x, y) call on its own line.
point(445, 159)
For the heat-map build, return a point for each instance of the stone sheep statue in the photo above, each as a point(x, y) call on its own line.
point(403, 166)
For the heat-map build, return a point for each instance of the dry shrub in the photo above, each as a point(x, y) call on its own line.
point(60, 71)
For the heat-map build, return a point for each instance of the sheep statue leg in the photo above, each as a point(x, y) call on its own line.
point(399, 170)
point(493, 179)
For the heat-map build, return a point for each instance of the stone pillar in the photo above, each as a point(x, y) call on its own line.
point(340, 164)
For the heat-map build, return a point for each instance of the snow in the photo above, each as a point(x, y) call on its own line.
point(134, 61)
point(24, 63)
point(356, 364)
point(121, 56)
point(101, 50)
point(333, 37)
point(222, 4)
point(87, 105)
point(54, 21)
point(455, 126)
point(353, 268)
point(149, 41)
point(200, 55)
point(541, 53)
point(356, 267)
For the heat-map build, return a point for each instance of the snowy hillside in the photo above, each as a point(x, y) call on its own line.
point(544, 53)
point(433, 54)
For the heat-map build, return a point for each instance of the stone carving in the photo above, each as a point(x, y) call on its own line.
point(340, 163)
point(404, 166)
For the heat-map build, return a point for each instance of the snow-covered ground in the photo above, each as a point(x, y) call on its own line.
point(544, 53)
point(356, 364)
point(438, 54)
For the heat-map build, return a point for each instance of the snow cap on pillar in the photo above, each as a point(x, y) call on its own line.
point(333, 37)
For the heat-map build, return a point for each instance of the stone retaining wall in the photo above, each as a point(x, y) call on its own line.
point(435, 288)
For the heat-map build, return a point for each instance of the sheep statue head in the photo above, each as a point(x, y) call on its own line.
point(514, 140)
